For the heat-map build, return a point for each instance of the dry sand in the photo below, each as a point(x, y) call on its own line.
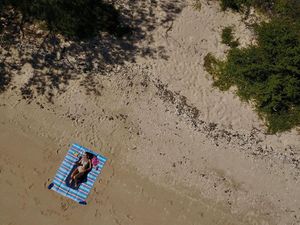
point(180, 151)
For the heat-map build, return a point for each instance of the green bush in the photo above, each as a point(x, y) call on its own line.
point(284, 8)
point(197, 5)
point(234, 4)
point(288, 9)
point(268, 73)
point(228, 39)
point(210, 63)
point(72, 18)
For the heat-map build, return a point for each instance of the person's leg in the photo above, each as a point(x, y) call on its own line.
point(74, 173)
point(78, 176)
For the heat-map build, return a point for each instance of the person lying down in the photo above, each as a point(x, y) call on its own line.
point(84, 166)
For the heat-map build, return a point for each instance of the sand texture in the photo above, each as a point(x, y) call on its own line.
point(180, 152)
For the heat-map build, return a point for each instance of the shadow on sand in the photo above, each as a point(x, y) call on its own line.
point(56, 60)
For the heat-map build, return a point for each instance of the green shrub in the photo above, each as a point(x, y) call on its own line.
point(234, 4)
point(197, 5)
point(268, 73)
point(210, 63)
point(228, 39)
point(288, 9)
point(238, 5)
point(283, 8)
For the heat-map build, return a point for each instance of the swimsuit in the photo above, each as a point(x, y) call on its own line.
point(84, 165)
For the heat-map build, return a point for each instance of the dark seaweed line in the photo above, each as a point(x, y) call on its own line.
point(249, 143)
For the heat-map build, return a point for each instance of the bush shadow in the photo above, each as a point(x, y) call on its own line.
point(57, 60)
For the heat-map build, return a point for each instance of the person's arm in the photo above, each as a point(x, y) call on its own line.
point(90, 166)
point(78, 162)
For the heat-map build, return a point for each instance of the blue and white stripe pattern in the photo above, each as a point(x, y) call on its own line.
point(59, 182)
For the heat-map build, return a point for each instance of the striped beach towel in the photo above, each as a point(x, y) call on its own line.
point(60, 181)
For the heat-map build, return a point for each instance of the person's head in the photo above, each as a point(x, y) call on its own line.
point(85, 155)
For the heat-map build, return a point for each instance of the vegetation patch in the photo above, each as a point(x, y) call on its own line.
point(228, 38)
point(284, 8)
point(197, 5)
point(211, 64)
point(267, 73)
point(234, 4)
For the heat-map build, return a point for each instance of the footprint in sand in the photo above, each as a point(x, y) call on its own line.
point(46, 182)
point(64, 206)
point(97, 213)
point(30, 186)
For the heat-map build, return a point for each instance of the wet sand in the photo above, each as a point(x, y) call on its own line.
point(120, 196)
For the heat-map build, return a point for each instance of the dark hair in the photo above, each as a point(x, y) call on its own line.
point(89, 155)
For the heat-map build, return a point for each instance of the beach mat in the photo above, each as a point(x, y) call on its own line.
point(60, 183)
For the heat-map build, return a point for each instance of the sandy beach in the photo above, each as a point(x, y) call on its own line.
point(180, 151)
